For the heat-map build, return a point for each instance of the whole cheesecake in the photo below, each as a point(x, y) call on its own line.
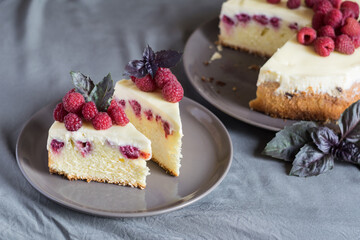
point(296, 82)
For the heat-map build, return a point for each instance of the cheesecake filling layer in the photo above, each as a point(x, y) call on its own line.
point(115, 136)
point(297, 68)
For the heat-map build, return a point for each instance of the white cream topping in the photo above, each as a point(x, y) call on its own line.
point(115, 135)
point(127, 90)
point(297, 68)
point(302, 15)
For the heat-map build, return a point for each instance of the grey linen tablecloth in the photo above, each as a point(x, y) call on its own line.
point(41, 41)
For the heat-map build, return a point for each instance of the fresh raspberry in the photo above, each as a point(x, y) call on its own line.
point(227, 20)
point(261, 19)
point(118, 116)
point(163, 75)
point(310, 3)
point(122, 103)
point(133, 78)
point(333, 18)
point(173, 91)
point(149, 115)
point(344, 44)
point(113, 103)
point(56, 145)
point(130, 152)
point(102, 121)
point(145, 84)
point(73, 102)
point(324, 46)
point(243, 17)
point(70, 91)
point(306, 35)
point(293, 4)
point(322, 6)
point(275, 22)
point(326, 31)
point(59, 112)
point(135, 105)
point(351, 27)
point(273, 1)
point(317, 20)
point(353, 6)
point(84, 147)
point(347, 13)
point(72, 122)
point(335, 3)
point(89, 111)
point(356, 41)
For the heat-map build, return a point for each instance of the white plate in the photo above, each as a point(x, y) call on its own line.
point(207, 155)
point(233, 70)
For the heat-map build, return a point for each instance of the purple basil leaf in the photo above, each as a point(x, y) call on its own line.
point(135, 68)
point(102, 93)
point(149, 60)
point(151, 68)
point(287, 142)
point(325, 139)
point(349, 123)
point(83, 84)
point(167, 58)
point(311, 162)
point(347, 151)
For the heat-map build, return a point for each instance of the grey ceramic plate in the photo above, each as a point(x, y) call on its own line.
point(207, 156)
point(232, 70)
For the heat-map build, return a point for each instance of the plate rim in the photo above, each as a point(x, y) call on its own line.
point(166, 209)
point(208, 98)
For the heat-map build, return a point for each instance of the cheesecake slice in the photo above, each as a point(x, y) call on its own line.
point(259, 27)
point(116, 155)
point(158, 119)
point(297, 83)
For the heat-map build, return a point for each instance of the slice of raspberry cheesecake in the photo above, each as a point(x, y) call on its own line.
point(94, 141)
point(151, 102)
point(260, 27)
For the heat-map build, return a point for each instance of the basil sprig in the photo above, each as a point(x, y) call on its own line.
point(313, 147)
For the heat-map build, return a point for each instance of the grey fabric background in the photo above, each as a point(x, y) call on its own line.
point(41, 41)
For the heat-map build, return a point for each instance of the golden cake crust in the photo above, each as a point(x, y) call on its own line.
point(166, 169)
point(303, 105)
point(89, 179)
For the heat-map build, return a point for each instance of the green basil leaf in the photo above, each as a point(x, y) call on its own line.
point(287, 142)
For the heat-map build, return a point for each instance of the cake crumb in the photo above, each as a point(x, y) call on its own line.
point(254, 67)
point(234, 89)
point(204, 79)
point(215, 56)
point(220, 83)
point(206, 63)
point(211, 46)
point(219, 48)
